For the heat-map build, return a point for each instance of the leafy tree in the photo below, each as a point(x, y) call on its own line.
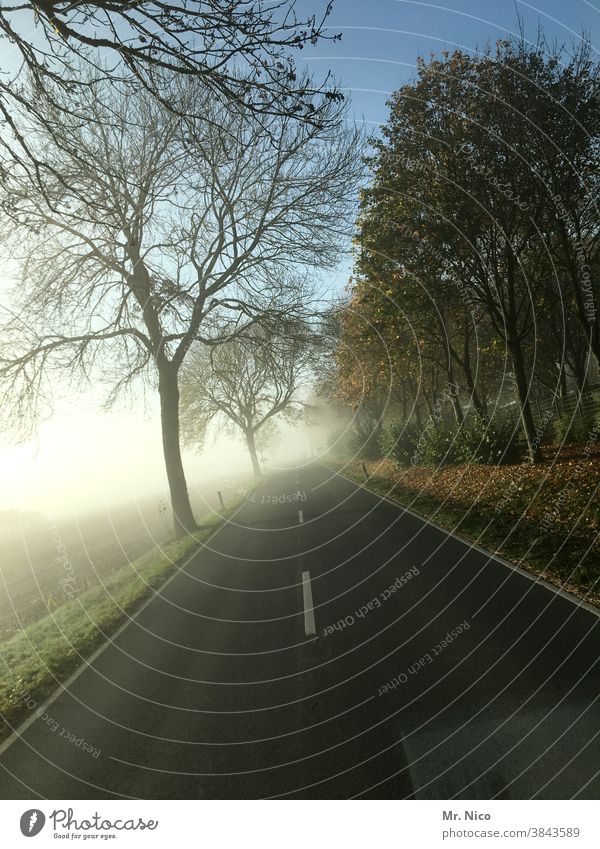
point(355, 372)
point(460, 205)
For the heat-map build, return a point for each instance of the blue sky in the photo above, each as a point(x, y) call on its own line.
point(382, 38)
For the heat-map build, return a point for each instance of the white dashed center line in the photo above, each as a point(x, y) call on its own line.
point(300, 517)
point(309, 613)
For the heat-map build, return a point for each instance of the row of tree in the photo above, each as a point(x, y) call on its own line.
point(166, 208)
point(477, 251)
point(245, 384)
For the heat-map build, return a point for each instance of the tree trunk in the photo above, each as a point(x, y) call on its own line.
point(562, 381)
point(533, 441)
point(415, 408)
point(252, 451)
point(465, 363)
point(588, 323)
point(579, 370)
point(457, 409)
point(418, 417)
point(458, 412)
point(448, 350)
point(478, 403)
point(183, 518)
point(404, 402)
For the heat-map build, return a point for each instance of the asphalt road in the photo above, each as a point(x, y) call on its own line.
point(434, 671)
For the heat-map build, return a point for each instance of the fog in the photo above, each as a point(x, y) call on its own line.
point(84, 459)
point(95, 482)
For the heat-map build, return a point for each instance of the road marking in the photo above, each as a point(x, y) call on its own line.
point(309, 614)
point(531, 576)
point(300, 517)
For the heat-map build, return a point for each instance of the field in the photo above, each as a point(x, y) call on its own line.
point(45, 563)
point(44, 653)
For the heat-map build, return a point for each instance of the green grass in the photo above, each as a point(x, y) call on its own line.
point(45, 653)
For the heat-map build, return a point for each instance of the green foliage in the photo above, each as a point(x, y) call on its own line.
point(487, 441)
point(572, 429)
point(399, 441)
point(408, 444)
point(477, 440)
point(438, 445)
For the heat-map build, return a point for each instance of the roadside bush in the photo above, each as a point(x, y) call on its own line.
point(437, 445)
point(488, 441)
point(367, 448)
point(572, 429)
point(340, 444)
point(477, 440)
point(399, 441)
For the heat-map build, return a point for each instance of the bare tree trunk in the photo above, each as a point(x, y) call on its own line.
point(404, 402)
point(579, 371)
point(183, 518)
point(478, 403)
point(418, 417)
point(456, 405)
point(533, 442)
point(457, 409)
point(249, 434)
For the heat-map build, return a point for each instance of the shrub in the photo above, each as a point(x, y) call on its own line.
point(366, 447)
point(399, 441)
point(437, 445)
point(572, 429)
point(477, 440)
point(489, 441)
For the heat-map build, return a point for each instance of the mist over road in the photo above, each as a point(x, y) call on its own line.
point(326, 643)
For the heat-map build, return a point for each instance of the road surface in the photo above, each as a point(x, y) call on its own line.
point(328, 644)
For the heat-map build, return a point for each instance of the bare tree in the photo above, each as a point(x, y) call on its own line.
point(246, 382)
point(152, 231)
point(242, 51)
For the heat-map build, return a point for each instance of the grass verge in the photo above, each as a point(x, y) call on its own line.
point(543, 518)
point(46, 653)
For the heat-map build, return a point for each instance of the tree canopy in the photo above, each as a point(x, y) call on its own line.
point(243, 52)
point(479, 227)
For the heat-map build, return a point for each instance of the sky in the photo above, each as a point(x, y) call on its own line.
point(83, 458)
point(382, 38)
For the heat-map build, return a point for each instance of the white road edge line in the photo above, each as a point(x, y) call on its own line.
point(578, 602)
point(309, 614)
point(88, 661)
point(300, 517)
